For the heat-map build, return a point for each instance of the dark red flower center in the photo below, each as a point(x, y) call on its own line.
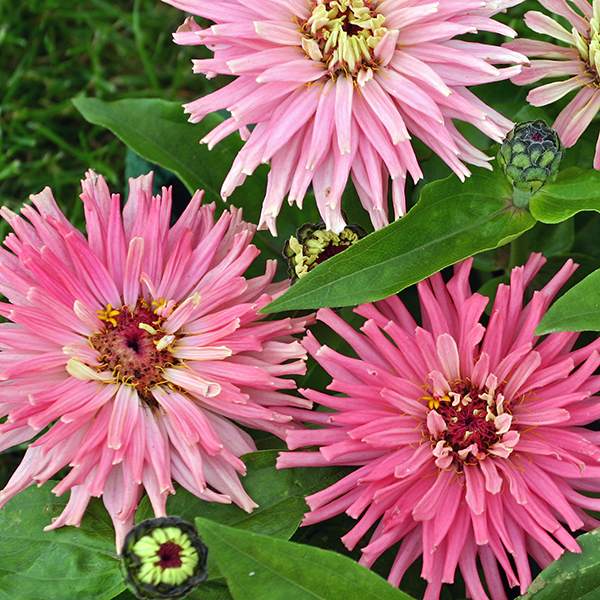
point(350, 28)
point(169, 556)
point(130, 351)
point(467, 423)
point(331, 250)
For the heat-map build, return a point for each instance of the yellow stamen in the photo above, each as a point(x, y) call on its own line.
point(108, 314)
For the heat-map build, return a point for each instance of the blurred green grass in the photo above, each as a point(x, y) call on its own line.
point(52, 51)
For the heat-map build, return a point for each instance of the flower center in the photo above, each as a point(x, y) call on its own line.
point(589, 48)
point(344, 34)
point(165, 556)
point(132, 346)
point(466, 424)
point(169, 556)
point(313, 245)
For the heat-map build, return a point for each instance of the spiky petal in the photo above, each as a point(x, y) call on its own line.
point(470, 442)
point(328, 89)
point(136, 346)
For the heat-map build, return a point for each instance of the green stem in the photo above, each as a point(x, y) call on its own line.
point(521, 198)
point(519, 251)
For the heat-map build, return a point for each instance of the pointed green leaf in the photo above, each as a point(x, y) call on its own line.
point(451, 222)
point(577, 310)
point(67, 563)
point(159, 132)
point(279, 495)
point(572, 576)
point(574, 191)
point(257, 566)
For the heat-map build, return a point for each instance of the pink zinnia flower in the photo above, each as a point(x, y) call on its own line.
point(135, 347)
point(469, 440)
point(329, 88)
point(579, 62)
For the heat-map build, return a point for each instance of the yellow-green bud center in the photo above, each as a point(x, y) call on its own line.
point(167, 556)
point(313, 244)
point(163, 558)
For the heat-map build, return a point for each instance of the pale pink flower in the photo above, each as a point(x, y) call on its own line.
point(135, 346)
point(325, 89)
point(470, 441)
point(576, 65)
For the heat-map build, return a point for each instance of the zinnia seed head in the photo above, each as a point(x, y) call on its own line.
point(163, 558)
point(313, 244)
point(531, 155)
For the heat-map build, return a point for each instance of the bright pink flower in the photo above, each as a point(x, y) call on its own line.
point(329, 88)
point(470, 440)
point(134, 347)
point(579, 62)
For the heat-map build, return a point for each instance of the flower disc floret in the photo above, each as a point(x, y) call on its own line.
point(313, 245)
point(588, 44)
point(467, 423)
point(133, 346)
point(343, 34)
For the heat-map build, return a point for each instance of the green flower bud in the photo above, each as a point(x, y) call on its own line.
point(530, 155)
point(313, 244)
point(163, 558)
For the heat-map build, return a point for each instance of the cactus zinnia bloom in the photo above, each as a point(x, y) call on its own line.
point(325, 89)
point(130, 351)
point(470, 441)
point(576, 65)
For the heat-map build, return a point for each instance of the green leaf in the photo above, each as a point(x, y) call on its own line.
point(451, 222)
point(574, 191)
point(278, 493)
point(577, 310)
point(209, 590)
point(67, 563)
point(572, 576)
point(159, 132)
point(257, 566)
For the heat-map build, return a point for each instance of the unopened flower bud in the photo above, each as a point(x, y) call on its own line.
point(163, 558)
point(530, 155)
point(313, 244)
